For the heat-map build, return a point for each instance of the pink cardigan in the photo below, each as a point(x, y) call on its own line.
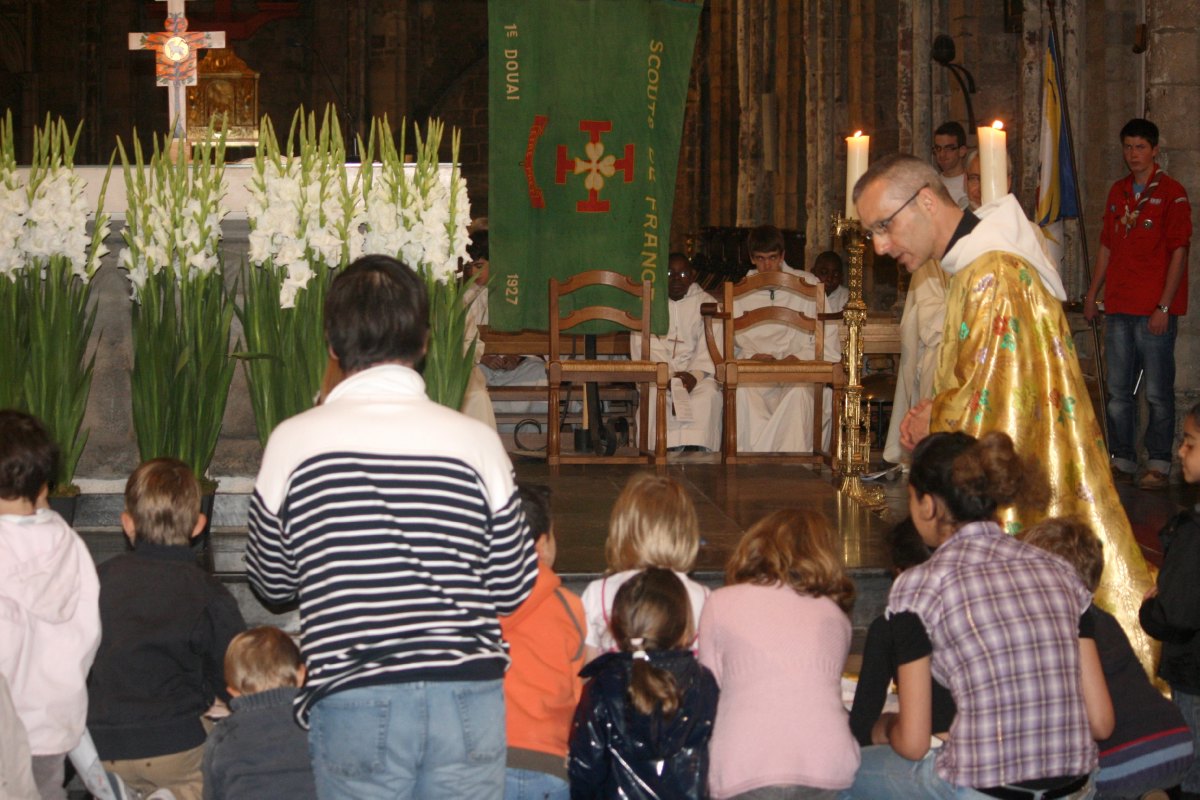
point(778, 658)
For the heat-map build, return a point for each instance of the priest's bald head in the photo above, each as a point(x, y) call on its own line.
point(905, 210)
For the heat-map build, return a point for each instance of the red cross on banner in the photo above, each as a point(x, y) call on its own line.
point(175, 59)
point(596, 167)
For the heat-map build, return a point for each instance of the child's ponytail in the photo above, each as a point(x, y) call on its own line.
point(649, 686)
point(652, 612)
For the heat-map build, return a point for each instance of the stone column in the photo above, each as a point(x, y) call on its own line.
point(823, 146)
point(1172, 96)
point(756, 61)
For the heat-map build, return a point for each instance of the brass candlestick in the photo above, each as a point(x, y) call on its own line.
point(854, 441)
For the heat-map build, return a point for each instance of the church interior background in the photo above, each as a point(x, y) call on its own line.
point(775, 86)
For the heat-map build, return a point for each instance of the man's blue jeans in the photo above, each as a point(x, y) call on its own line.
point(410, 740)
point(1129, 347)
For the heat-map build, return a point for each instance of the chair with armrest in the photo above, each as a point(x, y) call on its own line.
point(733, 373)
point(643, 372)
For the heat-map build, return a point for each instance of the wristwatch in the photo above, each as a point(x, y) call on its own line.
point(1163, 309)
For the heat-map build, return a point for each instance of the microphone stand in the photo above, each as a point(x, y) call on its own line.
point(943, 53)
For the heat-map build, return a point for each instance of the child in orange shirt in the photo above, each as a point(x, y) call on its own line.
point(545, 638)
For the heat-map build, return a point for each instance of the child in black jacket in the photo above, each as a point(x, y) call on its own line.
point(1171, 610)
point(165, 627)
point(642, 727)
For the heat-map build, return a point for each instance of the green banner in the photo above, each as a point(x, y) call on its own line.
point(586, 106)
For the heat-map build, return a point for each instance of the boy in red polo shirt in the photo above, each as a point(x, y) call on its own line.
point(1143, 260)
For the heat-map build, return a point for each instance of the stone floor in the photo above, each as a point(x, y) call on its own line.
point(728, 500)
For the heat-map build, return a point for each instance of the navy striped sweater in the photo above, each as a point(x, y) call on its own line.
point(396, 523)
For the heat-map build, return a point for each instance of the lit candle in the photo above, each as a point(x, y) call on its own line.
point(856, 164)
point(993, 162)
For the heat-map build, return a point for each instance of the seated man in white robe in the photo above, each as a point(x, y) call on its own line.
point(476, 403)
point(774, 419)
point(685, 349)
point(828, 268)
point(497, 369)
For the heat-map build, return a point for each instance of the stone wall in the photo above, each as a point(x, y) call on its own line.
point(1112, 83)
point(1172, 96)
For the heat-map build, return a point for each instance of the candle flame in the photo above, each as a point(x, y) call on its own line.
point(998, 125)
point(857, 134)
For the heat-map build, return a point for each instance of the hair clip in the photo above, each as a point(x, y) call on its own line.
point(639, 644)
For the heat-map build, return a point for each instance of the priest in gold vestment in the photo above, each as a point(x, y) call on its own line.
point(1007, 360)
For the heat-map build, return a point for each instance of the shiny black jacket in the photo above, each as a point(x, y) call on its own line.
point(617, 752)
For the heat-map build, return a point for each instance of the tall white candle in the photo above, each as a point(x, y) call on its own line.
point(993, 162)
point(856, 164)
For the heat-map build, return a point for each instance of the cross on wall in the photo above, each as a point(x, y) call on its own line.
point(175, 59)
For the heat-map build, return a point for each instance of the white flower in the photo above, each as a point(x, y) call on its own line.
point(260, 247)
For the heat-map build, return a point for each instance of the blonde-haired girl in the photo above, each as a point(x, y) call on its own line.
point(653, 524)
point(643, 724)
point(776, 638)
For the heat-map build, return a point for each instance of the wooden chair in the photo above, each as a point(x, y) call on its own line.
point(642, 371)
point(732, 373)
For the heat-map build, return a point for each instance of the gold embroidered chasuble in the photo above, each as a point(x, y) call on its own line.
point(1008, 363)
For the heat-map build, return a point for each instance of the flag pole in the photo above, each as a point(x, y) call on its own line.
point(1083, 238)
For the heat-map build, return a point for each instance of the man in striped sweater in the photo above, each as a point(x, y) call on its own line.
point(396, 524)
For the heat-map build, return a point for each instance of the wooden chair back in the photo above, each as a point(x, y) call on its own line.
point(732, 372)
point(774, 281)
point(561, 323)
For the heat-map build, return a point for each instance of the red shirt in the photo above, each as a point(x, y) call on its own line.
point(1139, 258)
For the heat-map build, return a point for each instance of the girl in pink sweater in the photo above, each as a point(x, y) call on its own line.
point(776, 638)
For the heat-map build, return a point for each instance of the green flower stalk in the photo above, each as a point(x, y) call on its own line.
point(182, 312)
point(305, 213)
point(419, 214)
point(48, 258)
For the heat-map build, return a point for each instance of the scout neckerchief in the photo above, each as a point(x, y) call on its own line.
point(1129, 218)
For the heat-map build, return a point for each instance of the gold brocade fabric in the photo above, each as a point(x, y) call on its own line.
point(1008, 363)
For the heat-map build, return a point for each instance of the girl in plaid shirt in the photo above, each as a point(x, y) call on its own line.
point(1003, 625)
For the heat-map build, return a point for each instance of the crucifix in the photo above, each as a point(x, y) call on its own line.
point(175, 59)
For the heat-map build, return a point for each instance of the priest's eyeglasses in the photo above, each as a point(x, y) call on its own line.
point(881, 228)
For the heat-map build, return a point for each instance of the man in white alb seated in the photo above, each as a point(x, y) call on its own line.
point(498, 369)
point(774, 419)
point(693, 419)
point(828, 268)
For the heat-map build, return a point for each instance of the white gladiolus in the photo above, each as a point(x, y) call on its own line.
point(416, 227)
point(180, 232)
point(46, 221)
point(299, 220)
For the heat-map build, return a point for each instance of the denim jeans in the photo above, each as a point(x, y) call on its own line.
point(884, 775)
point(528, 784)
point(410, 740)
point(1129, 347)
point(1189, 706)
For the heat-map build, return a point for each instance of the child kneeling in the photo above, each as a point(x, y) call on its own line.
point(166, 625)
point(644, 721)
point(259, 750)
